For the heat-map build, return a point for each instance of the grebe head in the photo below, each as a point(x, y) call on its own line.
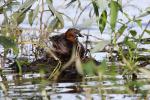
point(72, 34)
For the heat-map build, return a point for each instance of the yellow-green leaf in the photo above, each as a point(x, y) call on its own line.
point(114, 8)
point(139, 23)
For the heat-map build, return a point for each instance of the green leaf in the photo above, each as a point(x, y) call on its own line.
point(52, 25)
point(26, 5)
point(95, 8)
point(146, 13)
point(30, 16)
point(114, 8)
point(18, 17)
point(7, 43)
point(1, 10)
point(122, 29)
point(71, 2)
point(129, 43)
point(133, 32)
point(57, 14)
point(49, 1)
point(139, 23)
point(103, 67)
point(5, 21)
point(89, 68)
point(148, 31)
point(102, 21)
point(19, 66)
point(55, 24)
point(33, 14)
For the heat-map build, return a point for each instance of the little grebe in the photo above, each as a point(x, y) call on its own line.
point(64, 43)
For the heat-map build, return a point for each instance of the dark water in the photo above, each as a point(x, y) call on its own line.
point(34, 87)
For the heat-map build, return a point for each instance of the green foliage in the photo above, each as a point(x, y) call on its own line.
point(8, 5)
point(18, 17)
point(8, 42)
point(19, 66)
point(55, 24)
point(58, 20)
point(129, 43)
point(89, 68)
point(1, 10)
point(114, 8)
point(102, 21)
point(148, 31)
point(26, 5)
point(33, 14)
point(30, 17)
point(139, 22)
point(20, 63)
point(103, 18)
point(122, 29)
point(95, 6)
point(102, 69)
point(133, 32)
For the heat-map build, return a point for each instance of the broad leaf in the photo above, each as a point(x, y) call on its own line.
point(102, 21)
point(95, 8)
point(114, 8)
point(54, 12)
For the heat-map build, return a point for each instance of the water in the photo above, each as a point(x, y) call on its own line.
point(33, 86)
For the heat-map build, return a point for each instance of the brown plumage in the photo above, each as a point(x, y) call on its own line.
point(64, 43)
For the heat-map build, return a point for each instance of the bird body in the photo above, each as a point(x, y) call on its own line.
point(64, 43)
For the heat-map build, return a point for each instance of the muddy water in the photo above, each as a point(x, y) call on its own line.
point(33, 86)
